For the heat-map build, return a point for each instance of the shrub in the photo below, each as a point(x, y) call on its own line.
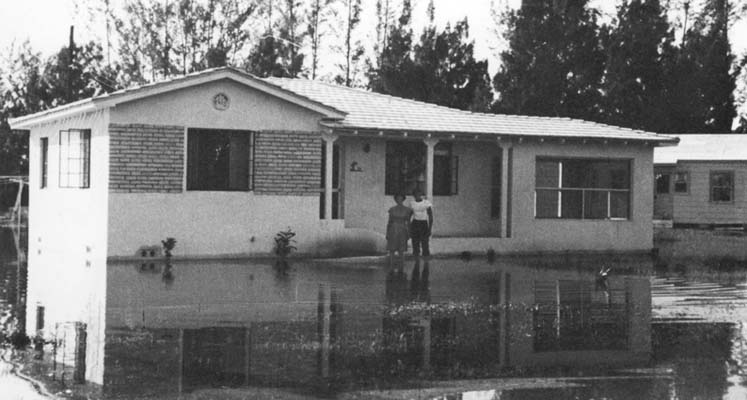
point(284, 242)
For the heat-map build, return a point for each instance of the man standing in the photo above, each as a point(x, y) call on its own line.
point(422, 223)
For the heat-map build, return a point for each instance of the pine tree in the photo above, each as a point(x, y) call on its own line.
point(447, 72)
point(384, 24)
point(319, 17)
point(78, 73)
point(554, 63)
point(351, 48)
point(160, 39)
point(21, 92)
point(439, 69)
point(277, 52)
point(639, 49)
point(701, 79)
point(29, 85)
point(395, 70)
point(741, 95)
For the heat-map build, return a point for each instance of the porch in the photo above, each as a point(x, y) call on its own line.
point(468, 179)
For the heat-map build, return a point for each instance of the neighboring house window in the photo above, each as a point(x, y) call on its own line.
point(681, 180)
point(406, 163)
point(44, 150)
point(582, 188)
point(75, 158)
point(662, 183)
point(405, 167)
point(722, 186)
point(445, 170)
point(220, 160)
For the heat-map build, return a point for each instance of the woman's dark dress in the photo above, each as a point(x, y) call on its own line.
point(397, 231)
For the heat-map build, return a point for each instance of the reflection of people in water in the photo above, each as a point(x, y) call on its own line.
point(396, 287)
point(397, 290)
point(419, 290)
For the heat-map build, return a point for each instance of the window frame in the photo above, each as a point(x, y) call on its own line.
point(394, 182)
point(192, 184)
point(496, 171)
point(415, 159)
point(583, 190)
point(657, 187)
point(686, 175)
point(731, 187)
point(452, 166)
point(84, 175)
point(44, 162)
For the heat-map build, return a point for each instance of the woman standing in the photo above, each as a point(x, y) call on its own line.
point(397, 228)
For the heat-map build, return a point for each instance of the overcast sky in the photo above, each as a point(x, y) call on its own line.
point(45, 23)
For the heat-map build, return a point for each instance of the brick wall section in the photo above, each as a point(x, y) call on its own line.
point(146, 158)
point(287, 163)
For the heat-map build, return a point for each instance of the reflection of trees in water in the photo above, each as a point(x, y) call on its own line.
point(13, 280)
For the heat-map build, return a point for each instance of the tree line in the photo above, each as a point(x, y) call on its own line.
point(639, 70)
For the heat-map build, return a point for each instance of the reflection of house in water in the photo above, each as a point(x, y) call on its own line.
point(322, 327)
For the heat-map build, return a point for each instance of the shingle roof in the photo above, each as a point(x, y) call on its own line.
point(368, 110)
point(352, 109)
point(704, 147)
point(174, 83)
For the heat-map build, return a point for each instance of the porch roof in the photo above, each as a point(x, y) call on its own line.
point(369, 111)
point(704, 147)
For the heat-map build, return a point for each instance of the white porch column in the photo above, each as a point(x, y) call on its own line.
point(430, 144)
point(329, 141)
point(504, 189)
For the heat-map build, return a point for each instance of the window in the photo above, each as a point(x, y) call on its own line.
point(495, 187)
point(336, 204)
point(681, 180)
point(405, 167)
point(220, 159)
point(582, 188)
point(75, 158)
point(662, 183)
point(722, 186)
point(445, 170)
point(44, 150)
point(406, 163)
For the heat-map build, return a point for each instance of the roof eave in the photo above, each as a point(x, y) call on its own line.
point(28, 121)
point(659, 141)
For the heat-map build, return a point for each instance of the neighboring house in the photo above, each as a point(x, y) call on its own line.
point(702, 181)
point(222, 161)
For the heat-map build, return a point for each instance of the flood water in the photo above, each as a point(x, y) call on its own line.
point(515, 328)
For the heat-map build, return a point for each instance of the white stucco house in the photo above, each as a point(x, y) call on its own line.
point(222, 161)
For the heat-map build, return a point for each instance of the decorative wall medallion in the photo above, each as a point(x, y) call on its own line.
point(221, 102)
